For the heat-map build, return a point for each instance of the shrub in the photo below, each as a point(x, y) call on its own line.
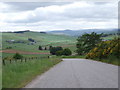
point(105, 49)
point(40, 48)
point(53, 50)
point(59, 53)
point(17, 56)
point(67, 52)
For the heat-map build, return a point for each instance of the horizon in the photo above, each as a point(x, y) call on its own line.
point(61, 30)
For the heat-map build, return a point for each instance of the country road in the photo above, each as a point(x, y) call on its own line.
point(78, 73)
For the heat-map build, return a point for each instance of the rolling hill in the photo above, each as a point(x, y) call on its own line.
point(82, 31)
point(22, 43)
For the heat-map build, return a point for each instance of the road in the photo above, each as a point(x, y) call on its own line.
point(78, 73)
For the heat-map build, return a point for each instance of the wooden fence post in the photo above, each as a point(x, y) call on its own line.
point(25, 59)
point(10, 60)
point(3, 62)
point(21, 60)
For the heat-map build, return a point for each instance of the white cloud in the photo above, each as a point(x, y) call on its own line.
point(77, 15)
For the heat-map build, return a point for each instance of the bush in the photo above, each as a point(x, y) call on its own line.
point(59, 53)
point(17, 56)
point(40, 48)
point(53, 50)
point(67, 52)
point(105, 49)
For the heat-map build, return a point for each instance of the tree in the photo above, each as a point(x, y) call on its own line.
point(67, 52)
point(17, 56)
point(40, 48)
point(50, 47)
point(59, 53)
point(45, 48)
point(87, 42)
point(53, 50)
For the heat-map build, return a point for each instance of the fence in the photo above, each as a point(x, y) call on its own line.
point(25, 59)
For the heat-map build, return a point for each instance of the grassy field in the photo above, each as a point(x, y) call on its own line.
point(110, 37)
point(18, 74)
point(41, 39)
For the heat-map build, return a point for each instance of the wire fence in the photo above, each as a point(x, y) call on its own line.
point(9, 60)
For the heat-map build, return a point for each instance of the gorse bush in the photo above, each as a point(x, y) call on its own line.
point(105, 49)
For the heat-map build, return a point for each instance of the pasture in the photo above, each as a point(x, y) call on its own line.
point(44, 40)
point(17, 74)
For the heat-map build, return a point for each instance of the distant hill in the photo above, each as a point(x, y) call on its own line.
point(80, 32)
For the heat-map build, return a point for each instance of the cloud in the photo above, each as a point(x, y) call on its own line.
point(74, 15)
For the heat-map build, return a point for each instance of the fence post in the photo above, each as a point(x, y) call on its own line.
point(3, 62)
point(25, 59)
point(10, 60)
point(21, 59)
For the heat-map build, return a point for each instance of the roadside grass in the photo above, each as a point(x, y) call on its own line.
point(17, 75)
point(73, 56)
point(114, 61)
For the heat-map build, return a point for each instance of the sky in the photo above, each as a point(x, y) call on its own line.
point(49, 16)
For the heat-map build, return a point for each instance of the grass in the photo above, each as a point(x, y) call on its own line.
point(110, 37)
point(75, 56)
point(25, 55)
point(109, 60)
point(17, 75)
point(41, 39)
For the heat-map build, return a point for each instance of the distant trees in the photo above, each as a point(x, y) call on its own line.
point(87, 42)
point(30, 39)
point(53, 50)
point(50, 47)
point(60, 51)
point(45, 48)
point(40, 48)
point(67, 52)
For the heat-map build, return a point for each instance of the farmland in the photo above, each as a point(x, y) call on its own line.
point(41, 39)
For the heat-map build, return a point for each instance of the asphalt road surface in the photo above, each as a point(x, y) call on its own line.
point(78, 73)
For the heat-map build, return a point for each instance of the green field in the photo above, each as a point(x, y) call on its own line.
point(110, 37)
point(41, 39)
point(18, 74)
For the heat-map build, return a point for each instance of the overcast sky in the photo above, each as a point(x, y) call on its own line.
point(42, 16)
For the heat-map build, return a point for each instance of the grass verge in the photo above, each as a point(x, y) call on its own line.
point(74, 56)
point(17, 75)
point(113, 61)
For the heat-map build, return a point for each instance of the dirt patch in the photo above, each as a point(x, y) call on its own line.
point(21, 52)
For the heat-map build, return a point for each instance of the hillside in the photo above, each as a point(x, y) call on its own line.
point(22, 43)
point(80, 32)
